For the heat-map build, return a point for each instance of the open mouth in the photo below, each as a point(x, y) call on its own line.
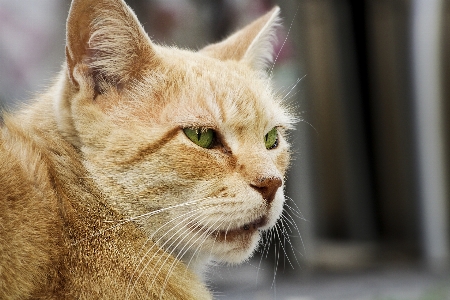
point(230, 234)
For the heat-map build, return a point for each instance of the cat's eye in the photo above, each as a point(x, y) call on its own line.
point(271, 139)
point(203, 137)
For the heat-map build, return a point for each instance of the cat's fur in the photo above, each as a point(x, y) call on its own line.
point(102, 195)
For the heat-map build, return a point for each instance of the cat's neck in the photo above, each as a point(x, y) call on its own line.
point(197, 263)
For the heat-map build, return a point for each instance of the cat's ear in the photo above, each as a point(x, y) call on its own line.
point(106, 38)
point(254, 44)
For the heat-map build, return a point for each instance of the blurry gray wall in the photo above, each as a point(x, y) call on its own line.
point(357, 55)
point(31, 47)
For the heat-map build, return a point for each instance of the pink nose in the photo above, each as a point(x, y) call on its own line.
point(267, 187)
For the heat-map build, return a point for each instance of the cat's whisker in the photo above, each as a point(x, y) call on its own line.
point(154, 212)
point(309, 124)
point(282, 228)
point(287, 229)
point(265, 247)
point(177, 257)
point(199, 213)
point(299, 235)
point(283, 246)
point(295, 206)
point(167, 223)
point(288, 240)
point(282, 90)
point(200, 209)
point(204, 235)
point(149, 260)
point(289, 218)
point(155, 244)
point(294, 212)
point(277, 259)
point(212, 246)
point(289, 97)
point(271, 241)
point(182, 236)
point(128, 220)
point(207, 233)
point(189, 243)
point(292, 88)
point(226, 231)
point(282, 46)
point(264, 241)
point(217, 233)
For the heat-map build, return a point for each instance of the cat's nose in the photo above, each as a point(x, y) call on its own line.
point(267, 187)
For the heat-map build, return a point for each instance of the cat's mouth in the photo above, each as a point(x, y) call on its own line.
point(233, 233)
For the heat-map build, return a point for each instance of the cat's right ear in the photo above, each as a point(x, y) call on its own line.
point(253, 44)
point(106, 41)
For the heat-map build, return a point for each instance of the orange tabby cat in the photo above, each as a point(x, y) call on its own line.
point(141, 164)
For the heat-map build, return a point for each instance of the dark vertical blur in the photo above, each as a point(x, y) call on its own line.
point(345, 192)
point(446, 73)
point(392, 107)
point(357, 57)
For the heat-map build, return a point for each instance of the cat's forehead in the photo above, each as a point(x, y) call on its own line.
point(223, 93)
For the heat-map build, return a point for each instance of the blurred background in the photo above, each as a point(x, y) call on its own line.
point(369, 178)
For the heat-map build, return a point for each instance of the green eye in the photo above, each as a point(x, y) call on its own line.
point(203, 137)
point(271, 139)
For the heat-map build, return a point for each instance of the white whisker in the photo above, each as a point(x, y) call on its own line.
point(288, 239)
point(286, 257)
point(282, 46)
point(173, 248)
point(155, 244)
point(125, 221)
point(292, 88)
point(189, 244)
point(182, 228)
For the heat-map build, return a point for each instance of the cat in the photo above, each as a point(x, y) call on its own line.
point(142, 164)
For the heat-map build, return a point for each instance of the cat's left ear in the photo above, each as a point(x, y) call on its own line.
point(105, 37)
point(254, 44)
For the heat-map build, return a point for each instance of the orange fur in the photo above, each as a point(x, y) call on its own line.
point(102, 196)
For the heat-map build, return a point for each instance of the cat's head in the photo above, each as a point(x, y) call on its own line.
point(191, 144)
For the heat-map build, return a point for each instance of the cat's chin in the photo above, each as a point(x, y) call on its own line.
point(236, 248)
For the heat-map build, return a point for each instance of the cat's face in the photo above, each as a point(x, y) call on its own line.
point(193, 148)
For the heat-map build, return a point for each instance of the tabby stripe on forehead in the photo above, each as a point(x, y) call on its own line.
point(142, 153)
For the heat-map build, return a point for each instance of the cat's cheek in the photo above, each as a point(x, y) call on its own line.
point(282, 161)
